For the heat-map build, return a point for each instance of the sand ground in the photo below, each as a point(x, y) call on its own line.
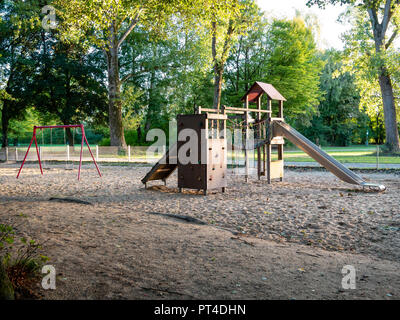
point(287, 240)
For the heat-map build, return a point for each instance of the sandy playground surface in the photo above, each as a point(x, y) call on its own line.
point(288, 240)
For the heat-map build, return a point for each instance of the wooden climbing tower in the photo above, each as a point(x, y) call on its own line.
point(264, 129)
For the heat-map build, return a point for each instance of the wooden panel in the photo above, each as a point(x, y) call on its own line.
point(278, 140)
point(192, 176)
point(277, 169)
point(217, 164)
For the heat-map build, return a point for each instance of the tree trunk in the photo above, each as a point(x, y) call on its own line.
point(114, 92)
point(217, 86)
point(70, 138)
point(139, 134)
point(5, 120)
point(389, 109)
point(152, 105)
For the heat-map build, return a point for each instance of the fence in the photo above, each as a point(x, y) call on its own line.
point(134, 154)
point(72, 154)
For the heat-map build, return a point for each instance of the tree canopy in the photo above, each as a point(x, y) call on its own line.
point(126, 67)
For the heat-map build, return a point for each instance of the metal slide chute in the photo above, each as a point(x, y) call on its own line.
point(281, 128)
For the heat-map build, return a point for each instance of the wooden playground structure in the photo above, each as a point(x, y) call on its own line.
point(259, 131)
point(259, 120)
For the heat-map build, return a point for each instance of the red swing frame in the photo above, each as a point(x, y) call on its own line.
point(35, 128)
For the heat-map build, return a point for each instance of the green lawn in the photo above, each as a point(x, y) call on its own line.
point(352, 154)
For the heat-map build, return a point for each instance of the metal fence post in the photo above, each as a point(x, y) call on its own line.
point(129, 153)
point(6, 154)
point(377, 156)
point(16, 154)
point(67, 152)
point(97, 153)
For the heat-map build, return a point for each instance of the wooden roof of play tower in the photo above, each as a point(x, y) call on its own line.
point(260, 88)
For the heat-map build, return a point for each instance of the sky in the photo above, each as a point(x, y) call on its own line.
point(330, 28)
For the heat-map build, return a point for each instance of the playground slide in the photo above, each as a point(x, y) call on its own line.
point(163, 168)
point(281, 128)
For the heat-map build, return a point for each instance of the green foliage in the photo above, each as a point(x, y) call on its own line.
point(168, 54)
point(294, 67)
point(20, 260)
point(20, 252)
point(19, 36)
point(363, 61)
point(375, 27)
point(131, 138)
point(339, 121)
point(99, 17)
point(105, 142)
point(284, 54)
point(246, 62)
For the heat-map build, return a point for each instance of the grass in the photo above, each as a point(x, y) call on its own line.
point(352, 154)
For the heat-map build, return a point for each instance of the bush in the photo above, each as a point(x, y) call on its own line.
point(105, 142)
point(131, 139)
point(385, 151)
point(20, 264)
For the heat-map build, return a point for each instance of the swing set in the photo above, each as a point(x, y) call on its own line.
point(34, 139)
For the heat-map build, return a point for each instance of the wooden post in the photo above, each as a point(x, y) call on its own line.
point(269, 163)
point(280, 109)
point(268, 146)
point(259, 137)
point(16, 154)
point(259, 163)
point(6, 154)
point(246, 137)
point(280, 156)
point(97, 153)
point(264, 159)
point(280, 149)
point(264, 149)
point(129, 153)
point(67, 152)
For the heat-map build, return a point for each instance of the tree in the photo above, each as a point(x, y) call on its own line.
point(283, 53)
point(246, 62)
point(69, 84)
point(111, 23)
point(20, 32)
point(164, 74)
point(293, 66)
point(339, 121)
point(225, 22)
point(384, 17)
